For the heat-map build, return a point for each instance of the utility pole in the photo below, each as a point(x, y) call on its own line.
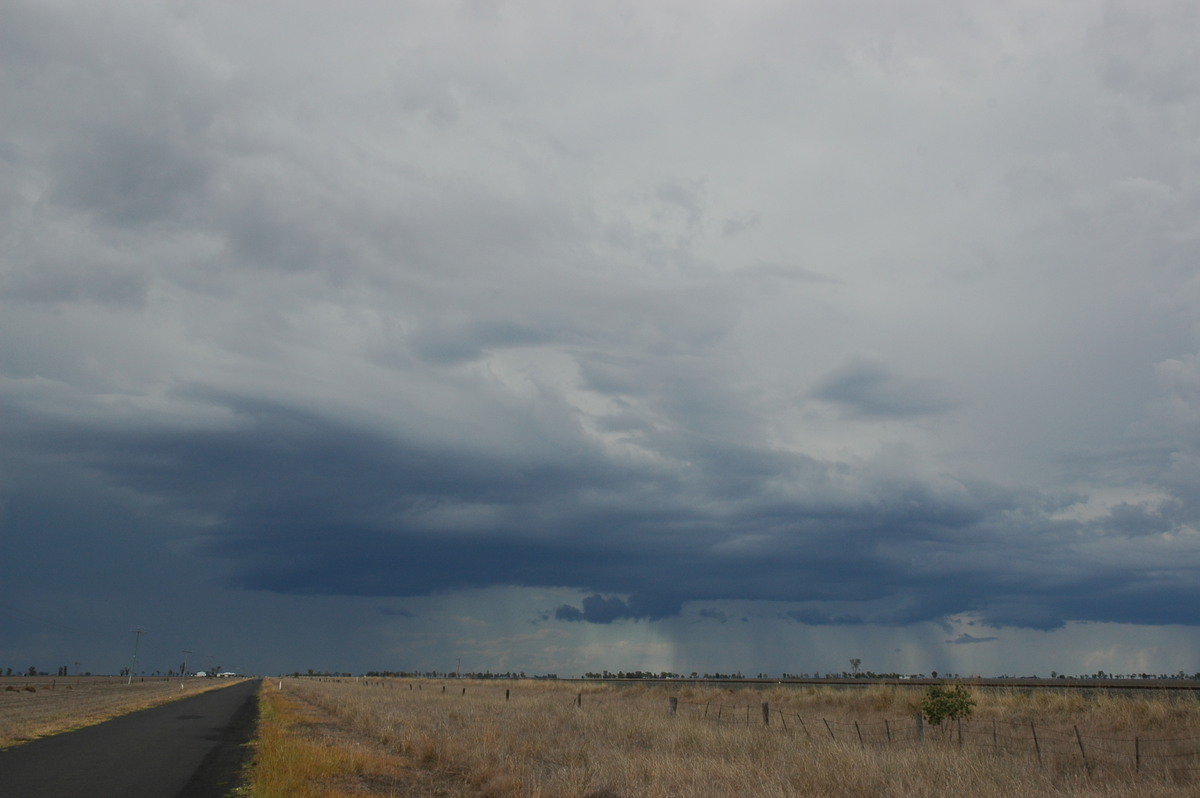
point(183, 672)
point(137, 636)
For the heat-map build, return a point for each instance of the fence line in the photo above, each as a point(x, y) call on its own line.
point(1169, 756)
point(1176, 755)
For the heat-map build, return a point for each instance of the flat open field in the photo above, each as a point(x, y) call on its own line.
point(459, 737)
point(34, 706)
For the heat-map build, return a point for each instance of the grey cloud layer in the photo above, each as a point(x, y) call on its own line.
point(894, 322)
point(300, 505)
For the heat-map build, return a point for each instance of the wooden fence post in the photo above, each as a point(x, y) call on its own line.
point(1137, 754)
point(579, 699)
point(1037, 746)
point(859, 731)
point(505, 695)
point(920, 727)
point(1082, 753)
point(766, 710)
point(828, 729)
point(674, 705)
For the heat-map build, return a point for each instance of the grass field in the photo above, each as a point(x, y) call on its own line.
point(465, 738)
point(32, 707)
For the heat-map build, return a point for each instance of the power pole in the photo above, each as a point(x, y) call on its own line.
point(184, 671)
point(137, 636)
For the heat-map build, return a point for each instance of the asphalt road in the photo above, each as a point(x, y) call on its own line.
point(190, 748)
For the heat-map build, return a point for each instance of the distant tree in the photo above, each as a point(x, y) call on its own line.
point(855, 662)
point(32, 671)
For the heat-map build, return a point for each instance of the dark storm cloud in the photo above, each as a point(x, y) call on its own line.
point(816, 618)
point(599, 609)
point(300, 504)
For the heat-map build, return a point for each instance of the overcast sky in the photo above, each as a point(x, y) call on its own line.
point(559, 337)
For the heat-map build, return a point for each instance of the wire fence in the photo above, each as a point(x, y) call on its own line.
point(1047, 746)
point(1174, 758)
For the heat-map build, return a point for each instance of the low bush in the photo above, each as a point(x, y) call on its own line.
point(940, 704)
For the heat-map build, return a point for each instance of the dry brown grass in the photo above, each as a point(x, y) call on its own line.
point(302, 752)
point(286, 764)
point(59, 704)
point(621, 741)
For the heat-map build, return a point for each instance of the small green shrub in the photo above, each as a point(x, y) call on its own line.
point(940, 703)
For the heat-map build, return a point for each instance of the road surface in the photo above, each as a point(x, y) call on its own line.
point(190, 748)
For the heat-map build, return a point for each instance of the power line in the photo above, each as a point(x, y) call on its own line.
point(137, 636)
